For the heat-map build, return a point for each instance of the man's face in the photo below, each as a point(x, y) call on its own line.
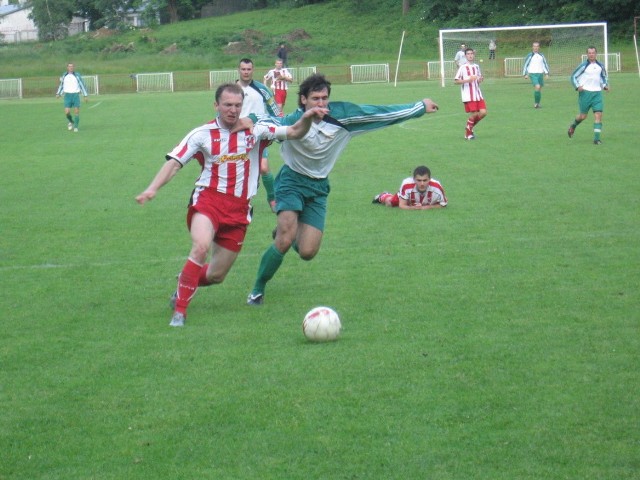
point(536, 47)
point(70, 68)
point(229, 108)
point(316, 99)
point(246, 72)
point(422, 182)
point(470, 54)
point(592, 54)
point(278, 64)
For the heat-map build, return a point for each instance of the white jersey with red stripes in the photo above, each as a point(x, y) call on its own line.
point(230, 162)
point(470, 91)
point(279, 77)
point(432, 196)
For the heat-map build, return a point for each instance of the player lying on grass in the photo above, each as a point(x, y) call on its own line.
point(219, 208)
point(419, 192)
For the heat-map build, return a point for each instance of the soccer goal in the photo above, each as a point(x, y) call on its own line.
point(562, 45)
point(300, 73)
point(92, 84)
point(11, 88)
point(220, 77)
point(154, 82)
point(378, 72)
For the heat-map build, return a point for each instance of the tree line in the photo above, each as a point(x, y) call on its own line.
point(53, 16)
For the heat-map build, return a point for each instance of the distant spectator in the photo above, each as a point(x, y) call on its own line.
point(492, 49)
point(460, 57)
point(282, 54)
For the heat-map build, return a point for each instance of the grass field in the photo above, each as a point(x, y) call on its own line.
point(495, 339)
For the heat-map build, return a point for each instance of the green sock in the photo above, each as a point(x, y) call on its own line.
point(537, 95)
point(267, 181)
point(576, 123)
point(269, 265)
point(597, 128)
point(69, 118)
point(76, 121)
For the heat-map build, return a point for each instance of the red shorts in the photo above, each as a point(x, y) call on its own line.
point(229, 216)
point(280, 96)
point(475, 106)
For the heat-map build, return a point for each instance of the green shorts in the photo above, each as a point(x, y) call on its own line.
point(590, 100)
point(537, 79)
point(71, 100)
point(302, 194)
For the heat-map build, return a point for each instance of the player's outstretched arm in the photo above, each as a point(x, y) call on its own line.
point(430, 105)
point(302, 126)
point(164, 175)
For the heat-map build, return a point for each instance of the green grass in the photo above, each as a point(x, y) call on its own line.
point(496, 338)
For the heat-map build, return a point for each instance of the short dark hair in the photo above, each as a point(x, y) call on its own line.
point(313, 83)
point(229, 87)
point(469, 50)
point(421, 170)
point(246, 60)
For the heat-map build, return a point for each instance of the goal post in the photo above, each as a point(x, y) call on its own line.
point(635, 41)
point(563, 45)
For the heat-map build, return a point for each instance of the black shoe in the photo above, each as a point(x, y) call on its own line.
point(597, 142)
point(255, 299)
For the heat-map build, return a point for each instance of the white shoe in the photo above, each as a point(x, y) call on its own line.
point(70, 126)
point(177, 320)
point(75, 130)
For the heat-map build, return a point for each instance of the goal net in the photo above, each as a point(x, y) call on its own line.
point(154, 82)
point(562, 45)
point(11, 88)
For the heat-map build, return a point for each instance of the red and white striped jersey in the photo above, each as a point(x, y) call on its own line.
point(433, 195)
point(230, 162)
point(470, 91)
point(279, 77)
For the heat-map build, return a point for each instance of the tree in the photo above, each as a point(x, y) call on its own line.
point(52, 17)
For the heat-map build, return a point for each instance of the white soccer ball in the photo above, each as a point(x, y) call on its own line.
point(321, 324)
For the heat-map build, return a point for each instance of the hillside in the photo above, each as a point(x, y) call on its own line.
point(319, 34)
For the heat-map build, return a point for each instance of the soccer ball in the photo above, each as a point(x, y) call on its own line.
point(321, 324)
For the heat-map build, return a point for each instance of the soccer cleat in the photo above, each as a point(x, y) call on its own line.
point(571, 131)
point(177, 320)
point(470, 137)
point(536, 105)
point(255, 299)
point(70, 126)
point(597, 142)
point(376, 199)
point(172, 300)
point(75, 130)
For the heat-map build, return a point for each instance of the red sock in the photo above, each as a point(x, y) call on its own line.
point(384, 196)
point(187, 285)
point(476, 119)
point(203, 281)
point(470, 124)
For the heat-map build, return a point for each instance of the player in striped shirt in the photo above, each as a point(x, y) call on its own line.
point(469, 78)
point(418, 192)
point(589, 79)
point(220, 205)
point(280, 77)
